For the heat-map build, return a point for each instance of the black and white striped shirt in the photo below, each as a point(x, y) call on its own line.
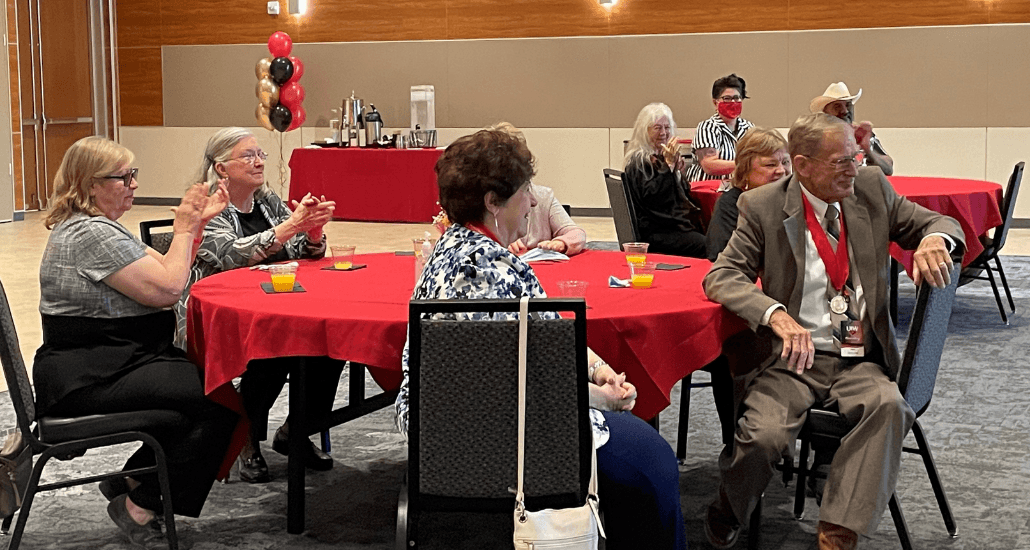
point(714, 133)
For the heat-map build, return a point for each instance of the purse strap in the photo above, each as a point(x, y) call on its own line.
point(520, 497)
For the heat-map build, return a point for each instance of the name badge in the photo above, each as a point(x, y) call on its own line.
point(852, 339)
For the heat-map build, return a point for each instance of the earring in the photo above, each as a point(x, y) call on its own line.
point(496, 229)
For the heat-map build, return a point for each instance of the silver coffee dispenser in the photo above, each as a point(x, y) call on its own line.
point(373, 127)
point(352, 121)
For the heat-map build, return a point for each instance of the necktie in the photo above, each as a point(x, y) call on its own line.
point(832, 221)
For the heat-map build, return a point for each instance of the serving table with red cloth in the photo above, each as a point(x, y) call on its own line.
point(657, 335)
point(380, 185)
point(973, 203)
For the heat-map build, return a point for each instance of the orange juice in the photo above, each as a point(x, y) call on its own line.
point(283, 282)
point(642, 280)
point(636, 258)
point(343, 265)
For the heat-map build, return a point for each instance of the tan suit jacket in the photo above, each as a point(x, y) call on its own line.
point(769, 243)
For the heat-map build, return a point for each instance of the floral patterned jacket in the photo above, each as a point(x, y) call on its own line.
point(225, 247)
point(466, 265)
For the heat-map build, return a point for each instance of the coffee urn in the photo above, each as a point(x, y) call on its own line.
point(352, 121)
point(373, 127)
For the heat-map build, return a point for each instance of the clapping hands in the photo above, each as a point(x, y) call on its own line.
point(310, 214)
point(198, 207)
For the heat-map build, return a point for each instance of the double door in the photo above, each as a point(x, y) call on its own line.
point(67, 80)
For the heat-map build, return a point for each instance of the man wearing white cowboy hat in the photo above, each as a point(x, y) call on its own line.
point(839, 102)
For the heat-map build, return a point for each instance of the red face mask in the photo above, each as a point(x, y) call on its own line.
point(730, 109)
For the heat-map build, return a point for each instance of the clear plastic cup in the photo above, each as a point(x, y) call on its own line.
point(343, 256)
point(283, 277)
point(636, 253)
point(572, 289)
point(641, 275)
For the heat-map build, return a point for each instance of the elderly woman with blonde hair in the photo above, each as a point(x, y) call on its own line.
point(654, 175)
point(761, 158)
point(107, 330)
point(257, 227)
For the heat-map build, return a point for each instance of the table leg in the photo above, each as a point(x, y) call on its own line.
point(356, 383)
point(298, 442)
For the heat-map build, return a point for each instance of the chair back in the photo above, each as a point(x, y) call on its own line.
point(926, 336)
point(1007, 209)
point(622, 207)
point(160, 241)
point(15, 373)
point(463, 397)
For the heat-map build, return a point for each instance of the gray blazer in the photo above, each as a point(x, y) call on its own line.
point(769, 243)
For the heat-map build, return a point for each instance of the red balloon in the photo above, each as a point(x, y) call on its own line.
point(299, 116)
point(298, 69)
point(291, 95)
point(280, 44)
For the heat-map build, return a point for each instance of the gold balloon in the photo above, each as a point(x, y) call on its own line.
point(261, 69)
point(262, 117)
point(268, 92)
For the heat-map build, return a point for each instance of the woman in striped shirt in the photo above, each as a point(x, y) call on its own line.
point(715, 143)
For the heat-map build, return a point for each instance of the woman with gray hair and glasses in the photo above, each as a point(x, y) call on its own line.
point(257, 227)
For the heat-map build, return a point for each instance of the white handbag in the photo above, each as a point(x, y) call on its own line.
point(566, 528)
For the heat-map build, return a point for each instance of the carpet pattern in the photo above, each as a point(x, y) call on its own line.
point(978, 427)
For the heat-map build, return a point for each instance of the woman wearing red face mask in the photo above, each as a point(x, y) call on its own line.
point(715, 143)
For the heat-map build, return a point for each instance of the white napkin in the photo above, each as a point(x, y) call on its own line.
point(266, 267)
point(615, 282)
point(542, 255)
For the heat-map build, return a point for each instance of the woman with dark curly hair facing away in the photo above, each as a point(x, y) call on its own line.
point(485, 190)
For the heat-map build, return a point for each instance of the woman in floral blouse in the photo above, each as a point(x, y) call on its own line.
point(257, 227)
point(485, 190)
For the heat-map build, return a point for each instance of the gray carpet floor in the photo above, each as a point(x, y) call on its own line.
point(978, 426)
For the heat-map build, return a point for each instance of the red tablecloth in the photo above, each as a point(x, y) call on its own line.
point(384, 185)
point(974, 203)
point(657, 335)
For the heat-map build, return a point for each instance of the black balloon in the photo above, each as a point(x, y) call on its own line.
point(281, 70)
point(280, 117)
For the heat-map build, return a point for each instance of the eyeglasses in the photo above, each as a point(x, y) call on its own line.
point(250, 157)
point(731, 99)
point(660, 127)
point(126, 178)
point(841, 164)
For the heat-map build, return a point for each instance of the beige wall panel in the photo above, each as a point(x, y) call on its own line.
point(168, 158)
point(570, 160)
point(1006, 147)
point(545, 83)
point(911, 78)
point(941, 152)
point(691, 64)
point(380, 73)
point(1008, 76)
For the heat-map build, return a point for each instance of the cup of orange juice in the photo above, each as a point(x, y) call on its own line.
point(343, 256)
point(641, 275)
point(283, 277)
point(636, 253)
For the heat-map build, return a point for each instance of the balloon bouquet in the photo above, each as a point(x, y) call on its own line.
point(280, 95)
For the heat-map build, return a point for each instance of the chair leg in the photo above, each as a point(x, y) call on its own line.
point(654, 423)
point(402, 517)
point(754, 529)
point(997, 295)
point(6, 527)
point(935, 479)
point(26, 501)
point(681, 434)
point(802, 471)
point(1005, 283)
point(899, 522)
point(166, 490)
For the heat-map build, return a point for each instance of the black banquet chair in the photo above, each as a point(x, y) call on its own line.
point(158, 240)
point(462, 446)
point(66, 438)
point(992, 247)
point(622, 207)
point(823, 429)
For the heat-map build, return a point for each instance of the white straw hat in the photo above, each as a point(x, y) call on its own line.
point(838, 91)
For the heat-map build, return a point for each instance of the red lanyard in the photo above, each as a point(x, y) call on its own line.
point(480, 228)
point(837, 266)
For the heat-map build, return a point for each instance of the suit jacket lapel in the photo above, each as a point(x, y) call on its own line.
point(860, 230)
point(794, 226)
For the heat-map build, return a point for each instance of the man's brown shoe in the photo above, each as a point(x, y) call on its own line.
point(836, 537)
point(721, 526)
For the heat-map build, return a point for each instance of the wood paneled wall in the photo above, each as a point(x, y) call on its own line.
point(146, 25)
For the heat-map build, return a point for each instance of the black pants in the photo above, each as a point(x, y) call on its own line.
point(194, 453)
point(264, 379)
point(682, 243)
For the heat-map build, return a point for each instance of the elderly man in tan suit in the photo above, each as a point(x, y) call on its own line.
point(822, 309)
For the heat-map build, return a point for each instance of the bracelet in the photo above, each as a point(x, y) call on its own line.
point(592, 368)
